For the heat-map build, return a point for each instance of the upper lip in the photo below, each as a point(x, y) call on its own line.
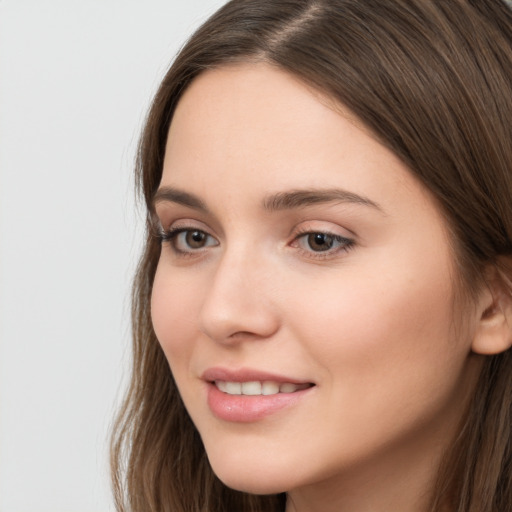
point(247, 375)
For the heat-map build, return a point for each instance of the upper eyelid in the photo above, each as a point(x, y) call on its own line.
point(176, 230)
point(185, 223)
point(330, 231)
point(336, 236)
point(167, 213)
point(320, 226)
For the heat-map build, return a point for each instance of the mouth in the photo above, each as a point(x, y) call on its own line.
point(258, 388)
point(245, 395)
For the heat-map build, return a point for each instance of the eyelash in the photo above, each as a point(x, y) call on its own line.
point(345, 244)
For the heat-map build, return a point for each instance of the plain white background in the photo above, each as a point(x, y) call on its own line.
point(76, 77)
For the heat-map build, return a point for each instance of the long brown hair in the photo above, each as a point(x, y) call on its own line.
point(432, 79)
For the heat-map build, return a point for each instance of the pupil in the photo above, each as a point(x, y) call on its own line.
point(195, 239)
point(320, 241)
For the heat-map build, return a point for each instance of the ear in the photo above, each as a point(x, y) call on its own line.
point(493, 332)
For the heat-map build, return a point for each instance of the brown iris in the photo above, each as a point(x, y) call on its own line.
point(195, 239)
point(320, 241)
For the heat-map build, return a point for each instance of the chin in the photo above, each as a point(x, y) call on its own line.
point(247, 478)
point(252, 484)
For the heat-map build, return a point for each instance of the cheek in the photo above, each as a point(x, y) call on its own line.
point(172, 326)
point(387, 352)
point(380, 326)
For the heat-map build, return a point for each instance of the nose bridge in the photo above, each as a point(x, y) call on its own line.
point(237, 301)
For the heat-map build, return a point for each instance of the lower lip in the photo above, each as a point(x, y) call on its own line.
point(248, 408)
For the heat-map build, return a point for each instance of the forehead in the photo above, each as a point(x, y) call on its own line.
point(264, 121)
point(230, 93)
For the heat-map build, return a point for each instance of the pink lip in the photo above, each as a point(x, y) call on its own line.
point(246, 408)
point(246, 375)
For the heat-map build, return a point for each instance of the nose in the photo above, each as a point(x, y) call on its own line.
point(239, 304)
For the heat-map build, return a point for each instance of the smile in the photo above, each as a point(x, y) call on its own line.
point(256, 388)
point(246, 395)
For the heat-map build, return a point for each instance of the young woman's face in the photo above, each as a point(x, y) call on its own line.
point(304, 296)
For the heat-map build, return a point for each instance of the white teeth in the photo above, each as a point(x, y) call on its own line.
point(234, 388)
point(251, 388)
point(269, 388)
point(288, 388)
point(221, 384)
point(255, 388)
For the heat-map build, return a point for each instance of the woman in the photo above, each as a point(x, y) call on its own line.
point(323, 311)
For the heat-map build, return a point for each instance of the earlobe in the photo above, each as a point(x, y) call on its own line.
point(493, 333)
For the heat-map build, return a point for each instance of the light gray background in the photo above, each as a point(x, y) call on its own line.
point(76, 77)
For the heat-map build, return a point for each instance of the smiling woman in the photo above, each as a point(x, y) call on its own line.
point(323, 313)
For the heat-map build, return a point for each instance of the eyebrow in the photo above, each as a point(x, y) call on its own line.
point(174, 195)
point(289, 200)
point(303, 198)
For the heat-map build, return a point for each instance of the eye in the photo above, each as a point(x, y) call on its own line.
point(187, 240)
point(322, 242)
